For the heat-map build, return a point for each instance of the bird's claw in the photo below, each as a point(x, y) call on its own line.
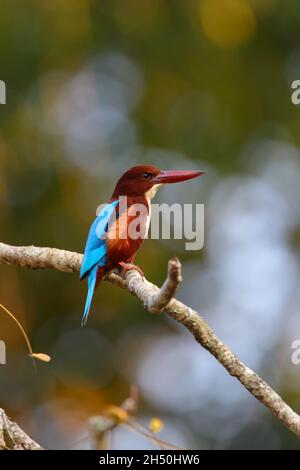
point(128, 266)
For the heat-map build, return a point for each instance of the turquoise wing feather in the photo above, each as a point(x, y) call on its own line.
point(95, 253)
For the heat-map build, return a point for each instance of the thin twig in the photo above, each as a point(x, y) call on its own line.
point(102, 425)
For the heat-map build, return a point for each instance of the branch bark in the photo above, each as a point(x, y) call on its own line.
point(12, 437)
point(155, 299)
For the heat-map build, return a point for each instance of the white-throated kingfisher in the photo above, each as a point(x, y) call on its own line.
point(110, 243)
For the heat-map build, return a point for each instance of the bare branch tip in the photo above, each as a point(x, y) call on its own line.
point(174, 270)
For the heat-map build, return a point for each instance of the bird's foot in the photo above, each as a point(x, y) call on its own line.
point(128, 266)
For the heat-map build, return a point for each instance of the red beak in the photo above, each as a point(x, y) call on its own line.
point(176, 176)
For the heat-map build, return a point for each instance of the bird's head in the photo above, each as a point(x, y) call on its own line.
point(145, 179)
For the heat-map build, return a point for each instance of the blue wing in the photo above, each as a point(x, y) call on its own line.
point(95, 248)
point(95, 253)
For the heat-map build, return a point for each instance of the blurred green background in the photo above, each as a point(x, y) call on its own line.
point(94, 87)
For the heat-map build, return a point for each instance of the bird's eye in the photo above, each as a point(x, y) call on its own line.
point(147, 176)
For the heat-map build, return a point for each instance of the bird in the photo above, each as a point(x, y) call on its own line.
point(110, 244)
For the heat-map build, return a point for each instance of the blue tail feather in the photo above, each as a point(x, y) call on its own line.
point(92, 276)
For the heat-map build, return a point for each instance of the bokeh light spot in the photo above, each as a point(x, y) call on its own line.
point(227, 23)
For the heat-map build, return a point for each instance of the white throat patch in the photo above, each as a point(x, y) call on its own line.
point(152, 191)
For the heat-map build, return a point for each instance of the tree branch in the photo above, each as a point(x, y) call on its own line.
point(155, 299)
point(12, 437)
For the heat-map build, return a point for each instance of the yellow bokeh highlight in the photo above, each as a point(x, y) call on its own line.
point(116, 412)
point(228, 24)
point(156, 425)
